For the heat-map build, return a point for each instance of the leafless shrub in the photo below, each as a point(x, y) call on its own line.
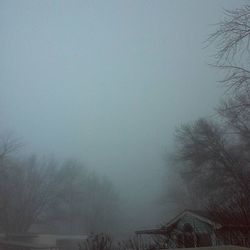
point(100, 241)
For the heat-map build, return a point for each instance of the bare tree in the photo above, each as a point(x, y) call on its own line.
point(214, 156)
point(212, 163)
point(233, 33)
point(26, 188)
point(232, 41)
point(85, 201)
point(8, 145)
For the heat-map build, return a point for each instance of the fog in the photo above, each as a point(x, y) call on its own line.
point(106, 83)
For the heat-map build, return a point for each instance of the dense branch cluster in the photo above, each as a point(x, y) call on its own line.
point(232, 35)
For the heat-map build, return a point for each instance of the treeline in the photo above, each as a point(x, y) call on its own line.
point(44, 195)
point(212, 155)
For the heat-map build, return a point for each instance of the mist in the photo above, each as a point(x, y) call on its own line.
point(106, 83)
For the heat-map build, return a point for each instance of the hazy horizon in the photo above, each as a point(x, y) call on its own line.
point(106, 83)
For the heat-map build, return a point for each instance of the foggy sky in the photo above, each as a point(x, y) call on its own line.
point(106, 82)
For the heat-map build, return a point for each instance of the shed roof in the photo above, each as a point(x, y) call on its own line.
point(200, 215)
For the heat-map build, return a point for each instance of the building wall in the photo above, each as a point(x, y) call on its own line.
point(193, 232)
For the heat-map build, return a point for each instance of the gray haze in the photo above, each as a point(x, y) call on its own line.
point(106, 82)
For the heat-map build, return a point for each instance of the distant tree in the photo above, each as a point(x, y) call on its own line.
point(66, 210)
point(8, 145)
point(26, 189)
point(176, 194)
point(102, 204)
point(85, 202)
point(39, 191)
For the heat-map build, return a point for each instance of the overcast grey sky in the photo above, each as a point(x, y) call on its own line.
point(106, 82)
